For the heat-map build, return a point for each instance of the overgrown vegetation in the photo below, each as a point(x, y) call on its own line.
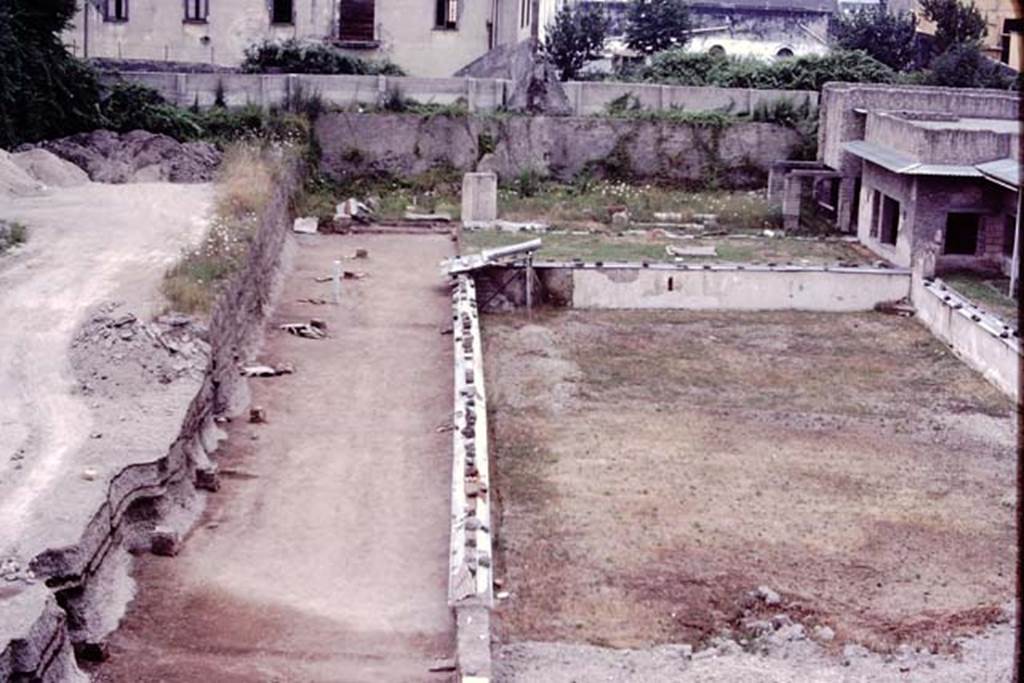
point(575, 37)
point(44, 91)
point(244, 186)
point(295, 57)
point(12, 234)
point(956, 23)
point(802, 73)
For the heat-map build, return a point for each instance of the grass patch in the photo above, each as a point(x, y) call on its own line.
point(985, 290)
point(244, 186)
point(12, 234)
point(613, 247)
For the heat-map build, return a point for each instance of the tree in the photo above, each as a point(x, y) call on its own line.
point(964, 66)
point(955, 22)
point(44, 91)
point(657, 25)
point(887, 37)
point(575, 37)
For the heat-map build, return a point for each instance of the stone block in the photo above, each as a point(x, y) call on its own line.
point(479, 199)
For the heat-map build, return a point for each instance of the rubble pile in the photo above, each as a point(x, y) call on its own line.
point(138, 156)
point(112, 348)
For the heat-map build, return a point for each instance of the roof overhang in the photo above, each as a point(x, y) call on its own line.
point(904, 164)
point(1005, 172)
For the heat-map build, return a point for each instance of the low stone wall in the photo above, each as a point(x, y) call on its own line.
point(736, 287)
point(479, 94)
point(982, 340)
point(129, 514)
point(470, 578)
point(739, 155)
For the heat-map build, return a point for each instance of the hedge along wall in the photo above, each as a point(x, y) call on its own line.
point(736, 154)
point(479, 94)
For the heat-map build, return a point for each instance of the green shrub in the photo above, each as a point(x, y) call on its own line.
point(129, 106)
point(292, 56)
point(528, 183)
point(964, 66)
point(11, 235)
point(802, 73)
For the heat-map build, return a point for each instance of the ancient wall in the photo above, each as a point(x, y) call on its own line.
point(38, 646)
point(739, 154)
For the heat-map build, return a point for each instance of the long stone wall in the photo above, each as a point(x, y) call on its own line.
point(983, 341)
point(470, 579)
point(739, 288)
point(55, 615)
point(739, 155)
point(479, 94)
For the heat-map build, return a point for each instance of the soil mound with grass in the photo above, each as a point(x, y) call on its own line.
point(138, 156)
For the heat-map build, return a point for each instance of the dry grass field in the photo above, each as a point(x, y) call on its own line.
point(655, 468)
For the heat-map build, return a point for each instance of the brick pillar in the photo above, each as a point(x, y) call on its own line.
point(793, 187)
point(844, 211)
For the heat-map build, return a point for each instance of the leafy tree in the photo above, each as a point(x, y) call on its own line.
point(964, 66)
point(955, 22)
point(575, 37)
point(44, 91)
point(887, 37)
point(657, 25)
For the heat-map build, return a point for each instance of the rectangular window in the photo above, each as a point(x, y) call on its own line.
point(356, 21)
point(890, 223)
point(961, 234)
point(1009, 234)
point(447, 14)
point(115, 10)
point(282, 12)
point(197, 10)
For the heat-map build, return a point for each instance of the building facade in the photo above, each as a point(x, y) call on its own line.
point(424, 37)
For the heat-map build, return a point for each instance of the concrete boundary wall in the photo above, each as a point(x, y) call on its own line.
point(470, 578)
point(39, 646)
point(479, 94)
point(980, 339)
point(740, 287)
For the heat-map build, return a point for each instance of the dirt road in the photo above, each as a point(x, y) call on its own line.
point(86, 245)
point(324, 555)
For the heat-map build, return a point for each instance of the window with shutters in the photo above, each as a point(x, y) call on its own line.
point(115, 10)
point(356, 21)
point(197, 11)
point(447, 14)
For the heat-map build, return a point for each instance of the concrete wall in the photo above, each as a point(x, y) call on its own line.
point(740, 288)
point(974, 336)
point(404, 144)
point(484, 94)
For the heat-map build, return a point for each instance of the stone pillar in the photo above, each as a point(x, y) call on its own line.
point(844, 210)
point(793, 187)
point(479, 199)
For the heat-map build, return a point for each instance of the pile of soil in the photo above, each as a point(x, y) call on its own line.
point(138, 156)
point(49, 169)
point(14, 181)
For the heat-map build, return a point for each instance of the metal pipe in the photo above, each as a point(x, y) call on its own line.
point(512, 249)
point(1015, 262)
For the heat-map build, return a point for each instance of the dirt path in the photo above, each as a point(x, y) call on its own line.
point(86, 245)
point(324, 555)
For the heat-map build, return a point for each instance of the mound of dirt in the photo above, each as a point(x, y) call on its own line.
point(14, 181)
point(49, 169)
point(138, 156)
